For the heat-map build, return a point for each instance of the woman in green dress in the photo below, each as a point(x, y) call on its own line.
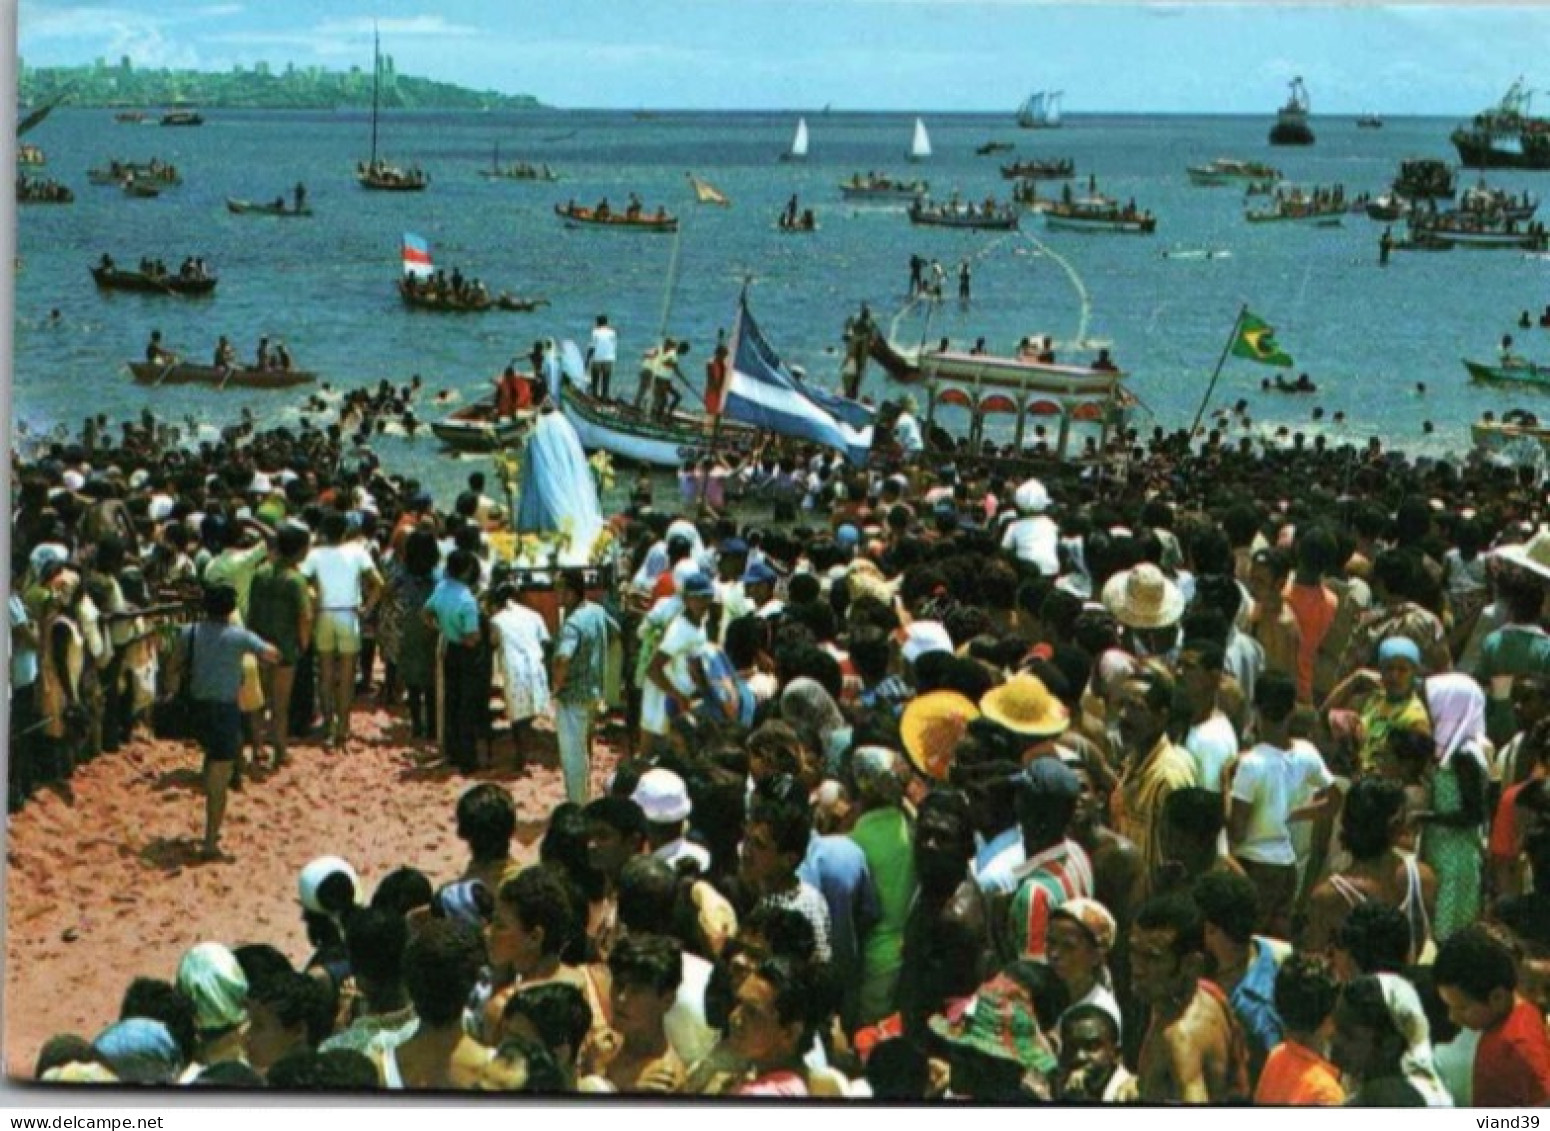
point(1451, 839)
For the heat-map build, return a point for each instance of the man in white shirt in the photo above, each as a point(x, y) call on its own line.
point(602, 351)
point(674, 674)
point(1265, 784)
point(1034, 537)
point(664, 798)
point(1211, 741)
point(347, 584)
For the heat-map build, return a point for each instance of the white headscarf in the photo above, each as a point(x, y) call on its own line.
point(1404, 1006)
point(1457, 707)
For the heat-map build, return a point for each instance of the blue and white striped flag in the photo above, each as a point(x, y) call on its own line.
point(762, 392)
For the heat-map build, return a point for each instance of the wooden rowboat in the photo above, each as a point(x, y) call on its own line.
point(476, 428)
point(118, 279)
point(1514, 371)
point(264, 208)
point(587, 218)
point(187, 373)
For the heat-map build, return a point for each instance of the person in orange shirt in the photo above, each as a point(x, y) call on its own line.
point(1296, 1072)
point(1312, 602)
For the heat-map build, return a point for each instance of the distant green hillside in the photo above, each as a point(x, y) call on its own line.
point(309, 88)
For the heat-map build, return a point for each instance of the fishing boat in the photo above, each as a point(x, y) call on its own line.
point(798, 150)
point(1509, 370)
point(118, 279)
point(145, 190)
point(471, 301)
point(221, 376)
point(182, 118)
point(477, 428)
point(628, 433)
point(1323, 208)
point(920, 144)
point(1467, 230)
point(376, 173)
point(517, 171)
point(1505, 136)
point(1041, 111)
point(129, 117)
point(1369, 122)
point(153, 170)
point(1025, 194)
point(876, 187)
point(1483, 200)
point(1226, 170)
point(1388, 207)
point(29, 154)
point(1291, 126)
point(276, 207)
point(991, 147)
point(991, 217)
point(707, 193)
point(1425, 178)
point(35, 190)
point(575, 216)
point(1046, 170)
point(1099, 216)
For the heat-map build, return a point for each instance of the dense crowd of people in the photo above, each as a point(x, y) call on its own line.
point(1203, 774)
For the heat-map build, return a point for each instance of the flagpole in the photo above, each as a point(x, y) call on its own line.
point(1217, 372)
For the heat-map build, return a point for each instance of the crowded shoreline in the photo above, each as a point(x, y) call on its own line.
point(903, 771)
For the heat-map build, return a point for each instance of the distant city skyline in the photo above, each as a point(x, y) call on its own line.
point(899, 55)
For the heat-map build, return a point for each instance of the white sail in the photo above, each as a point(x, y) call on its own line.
point(1052, 115)
point(799, 142)
point(920, 148)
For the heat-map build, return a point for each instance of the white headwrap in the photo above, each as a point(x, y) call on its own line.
point(1457, 707)
point(1404, 1006)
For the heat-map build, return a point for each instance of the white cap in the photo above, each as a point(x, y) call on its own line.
point(663, 797)
point(313, 875)
point(1031, 496)
point(74, 480)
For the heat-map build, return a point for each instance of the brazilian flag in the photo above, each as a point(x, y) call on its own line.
point(1257, 342)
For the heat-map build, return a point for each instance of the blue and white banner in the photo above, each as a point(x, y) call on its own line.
point(762, 392)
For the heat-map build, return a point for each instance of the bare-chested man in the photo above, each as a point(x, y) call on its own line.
point(1194, 1051)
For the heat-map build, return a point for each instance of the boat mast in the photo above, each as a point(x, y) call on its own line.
point(376, 81)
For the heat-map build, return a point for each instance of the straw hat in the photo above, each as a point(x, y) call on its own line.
point(1533, 555)
point(1143, 598)
point(1023, 705)
point(931, 727)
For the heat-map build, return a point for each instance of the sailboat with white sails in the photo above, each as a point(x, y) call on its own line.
point(798, 150)
point(1041, 111)
point(378, 174)
point(920, 146)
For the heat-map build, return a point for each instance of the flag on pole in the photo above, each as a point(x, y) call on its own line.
point(417, 256)
point(761, 391)
point(1256, 341)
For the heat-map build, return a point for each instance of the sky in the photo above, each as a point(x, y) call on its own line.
point(943, 55)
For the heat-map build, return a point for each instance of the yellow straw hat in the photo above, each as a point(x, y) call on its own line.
point(1023, 705)
point(931, 727)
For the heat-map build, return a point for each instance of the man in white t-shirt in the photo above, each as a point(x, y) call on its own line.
point(347, 583)
point(674, 675)
point(1033, 537)
point(1265, 784)
point(602, 351)
point(1211, 741)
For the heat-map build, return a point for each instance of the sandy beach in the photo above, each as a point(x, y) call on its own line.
point(104, 882)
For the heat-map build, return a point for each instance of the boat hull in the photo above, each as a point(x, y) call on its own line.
point(1039, 171)
point(889, 192)
point(476, 429)
point(1524, 373)
point(1482, 150)
point(626, 434)
point(377, 183)
point(617, 223)
point(185, 373)
point(1140, 226)
point(249, 207)
point(995, 222)
point(117, 280)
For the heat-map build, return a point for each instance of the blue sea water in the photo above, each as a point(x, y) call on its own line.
point(1365, 334)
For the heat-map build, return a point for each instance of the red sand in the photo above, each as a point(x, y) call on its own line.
point(104, 881)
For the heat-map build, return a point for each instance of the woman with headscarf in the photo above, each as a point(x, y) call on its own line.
point(210, 977)
point(1450, 837)
point(813, 714)
point(1382, 1042)
point(885, 835)
point(1394, 700)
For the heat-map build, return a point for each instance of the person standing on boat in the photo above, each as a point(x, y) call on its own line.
point(300, 193)
point(664, 371)
point(716, 372)
point(964, 280)
point(225, 353)
point(602, 351)
point(917, 275)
